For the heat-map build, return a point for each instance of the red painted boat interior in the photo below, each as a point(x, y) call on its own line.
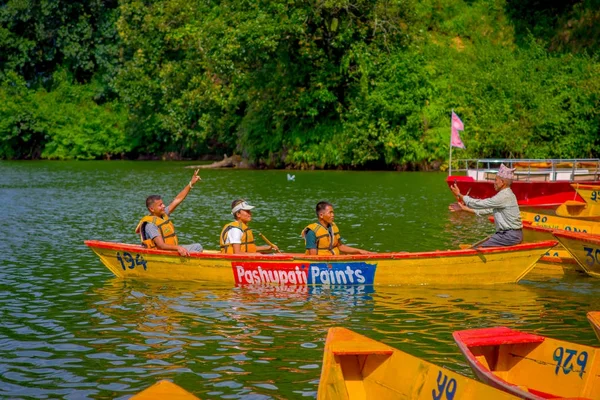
point(496, 336)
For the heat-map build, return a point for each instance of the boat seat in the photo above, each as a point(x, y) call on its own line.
point(497, 336)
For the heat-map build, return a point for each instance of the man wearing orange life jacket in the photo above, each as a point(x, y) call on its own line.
point(323, 237)
point(157, 231)
point(236, 237)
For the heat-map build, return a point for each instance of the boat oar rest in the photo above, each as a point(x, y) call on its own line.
point(497, 336)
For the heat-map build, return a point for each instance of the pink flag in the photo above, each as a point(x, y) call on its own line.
point(457, 125)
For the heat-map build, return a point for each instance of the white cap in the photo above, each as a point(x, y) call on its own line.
point(241, 206)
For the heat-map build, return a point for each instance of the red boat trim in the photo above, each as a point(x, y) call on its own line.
point(558, 260)
point(580, 237)
point(292, 256)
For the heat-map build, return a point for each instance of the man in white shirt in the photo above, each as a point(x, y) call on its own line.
point(504, 206)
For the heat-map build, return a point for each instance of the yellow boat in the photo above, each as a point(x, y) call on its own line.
point(561, 223)
point(467, 267)
point(531, 366)
point(589, 208)
point(556, 262)
point(356, 367)
point(584, 248)
point(594, 318)
point(164, 390)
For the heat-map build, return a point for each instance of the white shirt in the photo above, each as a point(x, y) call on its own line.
point(234, 236)
point(504, 207)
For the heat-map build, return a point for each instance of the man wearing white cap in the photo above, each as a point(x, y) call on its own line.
point(236, 237)
point(507, 217)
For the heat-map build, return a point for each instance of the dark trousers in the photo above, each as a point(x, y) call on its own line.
point(504, 238)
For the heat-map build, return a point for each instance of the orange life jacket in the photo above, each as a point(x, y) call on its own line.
point(326, 244)
point(165, 228)
point(247, 245)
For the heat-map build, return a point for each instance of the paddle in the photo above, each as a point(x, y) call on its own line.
point(470, 246)
point(267, 241)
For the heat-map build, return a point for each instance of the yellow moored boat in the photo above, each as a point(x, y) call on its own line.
point(557, 261)
point(356, 367)
point(594, 318)
point(584, 248)
point(561, 223)
point(531, 366)
point(467, 267)
point(164, 390)
point(588, 209)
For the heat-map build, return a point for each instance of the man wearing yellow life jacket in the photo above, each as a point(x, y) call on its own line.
point(323, 237)
point(236, 237)
point(157, 231)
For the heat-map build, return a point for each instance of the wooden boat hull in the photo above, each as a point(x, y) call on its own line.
point(557, 261)
point(356, 367)
point(560, 223)
point(584, 248)
point(588, 209)
point(531, 366)
point(467, 267)
point(164, 390)
point(594, 319)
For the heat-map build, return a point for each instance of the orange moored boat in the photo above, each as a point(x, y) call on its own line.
point(491, 265)
point(589, 208)
point(164, 390)
point(531, 366)
point(585, 248)
point(358, 368)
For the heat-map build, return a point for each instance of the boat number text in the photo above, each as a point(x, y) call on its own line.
point(564, 360)
point(127, 260)
point(595, 195)
point(592, 256)
point(447, 388)
point(544, 219)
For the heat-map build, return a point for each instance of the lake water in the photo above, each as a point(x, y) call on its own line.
point(69, 329)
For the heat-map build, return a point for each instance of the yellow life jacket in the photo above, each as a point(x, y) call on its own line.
point(165, 228)
point(247, 245)
point(325, 245)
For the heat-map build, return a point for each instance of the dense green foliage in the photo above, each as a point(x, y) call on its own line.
point(333, 83)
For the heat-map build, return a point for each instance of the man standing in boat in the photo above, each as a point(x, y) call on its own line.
point(323, 237)
point(507, 217)
point(236, 237)
point(157, 231)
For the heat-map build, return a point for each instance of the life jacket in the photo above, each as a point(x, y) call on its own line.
point(165, 228)
point(247, 245)
point(325, 245)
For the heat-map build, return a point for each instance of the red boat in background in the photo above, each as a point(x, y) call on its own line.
point(538, 183)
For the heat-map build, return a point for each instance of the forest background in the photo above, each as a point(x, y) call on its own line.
point(366, 84)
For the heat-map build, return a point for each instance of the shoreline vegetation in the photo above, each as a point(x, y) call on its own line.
point(364, 84)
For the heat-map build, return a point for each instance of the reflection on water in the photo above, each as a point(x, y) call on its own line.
point(71, 330)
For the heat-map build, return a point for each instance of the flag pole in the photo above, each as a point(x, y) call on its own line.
point(450, 157)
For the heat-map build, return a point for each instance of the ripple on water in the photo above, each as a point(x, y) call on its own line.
point(68, 329)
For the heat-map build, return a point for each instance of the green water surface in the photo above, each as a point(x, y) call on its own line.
point(69, 329)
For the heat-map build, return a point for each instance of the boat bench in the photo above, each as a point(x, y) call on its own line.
point(497, 336)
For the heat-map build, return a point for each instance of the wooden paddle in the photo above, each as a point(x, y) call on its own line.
point(267, 241)
point(470, 246)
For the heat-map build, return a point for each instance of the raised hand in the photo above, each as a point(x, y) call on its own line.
point(195, 178)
